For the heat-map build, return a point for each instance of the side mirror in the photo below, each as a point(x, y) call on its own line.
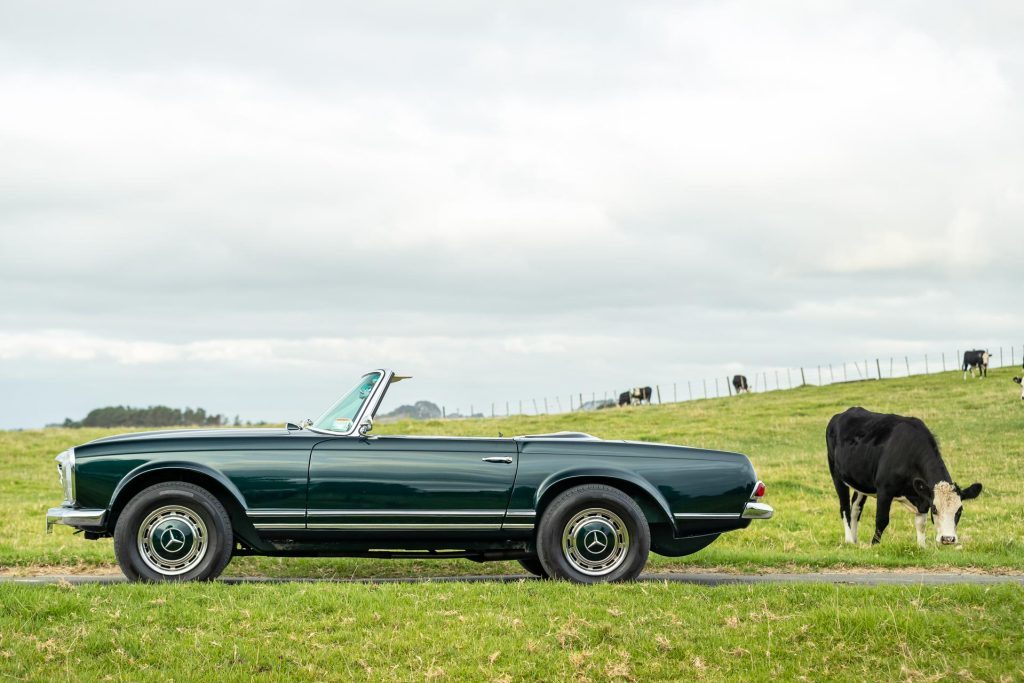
point(365, 426)
point(306, 423)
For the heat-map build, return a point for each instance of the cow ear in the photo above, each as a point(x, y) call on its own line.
point(923, 488)
point(972, 491)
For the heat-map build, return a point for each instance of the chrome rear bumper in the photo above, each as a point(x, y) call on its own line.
point(754, 510)
point(82, 518)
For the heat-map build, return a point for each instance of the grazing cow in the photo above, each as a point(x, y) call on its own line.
point(739, 383)
point(976, 359)
point(892, 458)
point(635, 396)
point(1020, 381)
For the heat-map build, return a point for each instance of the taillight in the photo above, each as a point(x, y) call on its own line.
point(759, 490)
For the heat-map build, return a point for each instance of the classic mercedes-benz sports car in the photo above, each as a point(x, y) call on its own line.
point(179, 504)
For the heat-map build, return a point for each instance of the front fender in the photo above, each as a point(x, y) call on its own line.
point(149, 468)
point(566, 478)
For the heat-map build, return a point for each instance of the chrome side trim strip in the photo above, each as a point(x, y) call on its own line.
point(279, 525)
point(276, 513)
point(392, 527)
point(406, 513)
point(706, 515)
point(754, 510)
point(517, 526)
point(521, 513)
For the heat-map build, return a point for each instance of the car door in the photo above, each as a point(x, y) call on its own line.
point(410, 484)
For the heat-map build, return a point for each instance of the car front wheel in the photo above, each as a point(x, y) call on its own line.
point(174, 531)
point(592, 534)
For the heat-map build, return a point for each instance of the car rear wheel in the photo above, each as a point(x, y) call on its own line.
point(592, 534)
point(174, 531)
point(533, 565)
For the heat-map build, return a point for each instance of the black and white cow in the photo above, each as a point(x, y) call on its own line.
point(739, 383)
point(892, 458)
point(1020, 381)
point(976, 359)
point(635, 396)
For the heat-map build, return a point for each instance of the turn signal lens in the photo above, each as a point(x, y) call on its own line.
point(759, 490)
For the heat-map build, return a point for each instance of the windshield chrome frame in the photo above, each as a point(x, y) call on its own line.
point(369, 405)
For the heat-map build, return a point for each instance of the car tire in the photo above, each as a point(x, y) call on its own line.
point(534, 566)
point(174, 531)
point(593, 534)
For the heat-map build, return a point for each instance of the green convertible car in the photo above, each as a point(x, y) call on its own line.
point(180, 504)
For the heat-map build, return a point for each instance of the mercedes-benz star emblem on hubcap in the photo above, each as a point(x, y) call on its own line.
point(172, 539)
point(595, 541)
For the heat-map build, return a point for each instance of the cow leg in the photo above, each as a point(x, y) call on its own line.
point(881, 516)
point(857, 509)
point(920, 522)
point(843, 491)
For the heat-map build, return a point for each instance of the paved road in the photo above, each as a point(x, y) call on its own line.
point(699, 578)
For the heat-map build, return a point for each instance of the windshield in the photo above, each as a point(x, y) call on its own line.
point(342, 414)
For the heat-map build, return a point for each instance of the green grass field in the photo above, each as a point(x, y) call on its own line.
point(552, 631)
point(521, 631)
point(978, 424)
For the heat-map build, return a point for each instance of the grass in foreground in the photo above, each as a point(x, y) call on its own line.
point(523, 631)
point(978, 424)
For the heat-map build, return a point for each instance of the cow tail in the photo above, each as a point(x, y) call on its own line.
point(830, 447)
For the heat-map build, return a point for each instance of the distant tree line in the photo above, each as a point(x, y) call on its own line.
point(153, 416)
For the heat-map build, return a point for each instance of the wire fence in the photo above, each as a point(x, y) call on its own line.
point(768, 379)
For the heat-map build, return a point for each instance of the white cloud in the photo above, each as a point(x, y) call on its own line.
point(535, 191)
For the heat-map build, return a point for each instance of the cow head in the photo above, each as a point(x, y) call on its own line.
point(1020, 380)
point(946, 501)
point(984, 358)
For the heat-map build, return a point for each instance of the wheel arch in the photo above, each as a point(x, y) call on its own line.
point(654, 506)
point(208, 478)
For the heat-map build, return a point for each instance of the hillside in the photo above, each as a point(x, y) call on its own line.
point(978, 424)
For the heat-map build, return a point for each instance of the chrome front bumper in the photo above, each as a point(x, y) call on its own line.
point(754, 510)
point(82, 518)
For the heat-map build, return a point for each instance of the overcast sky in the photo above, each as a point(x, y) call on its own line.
point(243, 206)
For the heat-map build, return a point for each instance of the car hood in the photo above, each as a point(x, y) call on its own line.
point(194, 434)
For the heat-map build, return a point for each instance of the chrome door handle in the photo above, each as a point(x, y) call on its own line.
point(507, 461)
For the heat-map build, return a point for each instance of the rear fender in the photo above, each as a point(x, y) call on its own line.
point(559, 481)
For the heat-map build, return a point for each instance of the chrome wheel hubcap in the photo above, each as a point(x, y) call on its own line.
point(172, 540)
point(595, 541)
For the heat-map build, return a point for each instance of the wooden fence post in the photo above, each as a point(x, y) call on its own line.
point(443, 414)
point(675, 398)
point(943, 361)
point(728, 387)
point(789, 379)
point(776, 379)
point(803, 380)
point(657, 390)
point(907, 360)
point(506, 409)
point(926, 363)
point(690, 389)
point(705, 388)
point(878, 366)
point(717, 393)
point(535, 411)
point(819, 375)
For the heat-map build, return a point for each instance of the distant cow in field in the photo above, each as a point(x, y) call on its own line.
point(635, 396)
point(976, 359)
point(1020, 381)
point(892, 458)
point(739, 383)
